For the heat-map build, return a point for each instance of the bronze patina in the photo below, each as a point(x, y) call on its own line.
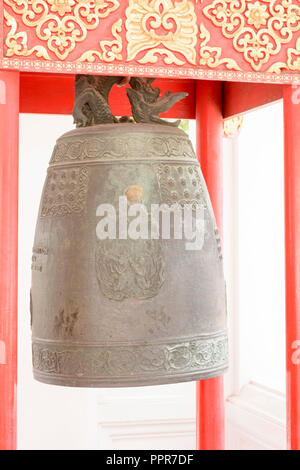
point(119, 311)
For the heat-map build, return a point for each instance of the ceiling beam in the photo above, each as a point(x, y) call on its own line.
point(240, 98)
point(54, 94)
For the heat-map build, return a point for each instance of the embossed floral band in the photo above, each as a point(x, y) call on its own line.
point(216, 39)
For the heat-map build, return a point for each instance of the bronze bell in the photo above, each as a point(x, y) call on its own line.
point(112, 310)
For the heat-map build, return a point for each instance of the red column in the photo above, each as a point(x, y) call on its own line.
point(210, 392)
point(292, 250)
point(9, 130)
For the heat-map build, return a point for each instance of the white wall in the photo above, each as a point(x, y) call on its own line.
point(53, 417)
point(261, 242)
point(48, 417)
point(164, 417)
point(254, 267)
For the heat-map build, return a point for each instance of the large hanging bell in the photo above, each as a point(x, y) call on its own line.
point(109, 308)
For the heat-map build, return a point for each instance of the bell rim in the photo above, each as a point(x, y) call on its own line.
point(124, 382)
point(49, 358)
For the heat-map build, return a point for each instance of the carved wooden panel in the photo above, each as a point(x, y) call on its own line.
point(242, 40)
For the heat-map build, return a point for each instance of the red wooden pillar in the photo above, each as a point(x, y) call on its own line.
point(9, 131)
point(292, 250)
point(210, 392)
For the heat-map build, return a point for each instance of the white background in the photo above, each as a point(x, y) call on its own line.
point(164, 417)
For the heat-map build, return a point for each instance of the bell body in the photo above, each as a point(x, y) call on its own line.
point(124, 312)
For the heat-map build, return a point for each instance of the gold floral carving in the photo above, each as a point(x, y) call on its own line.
point(293, 60)
point(62, 23)
point(232, 126)
point(257, 29)
point(17, 44)
point(109, 50)
point(211, 56)
point(162, 27)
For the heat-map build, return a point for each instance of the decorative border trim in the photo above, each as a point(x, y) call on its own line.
point(60, 362)
point(32, 64)
point(100, 147)
point(27, 65)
